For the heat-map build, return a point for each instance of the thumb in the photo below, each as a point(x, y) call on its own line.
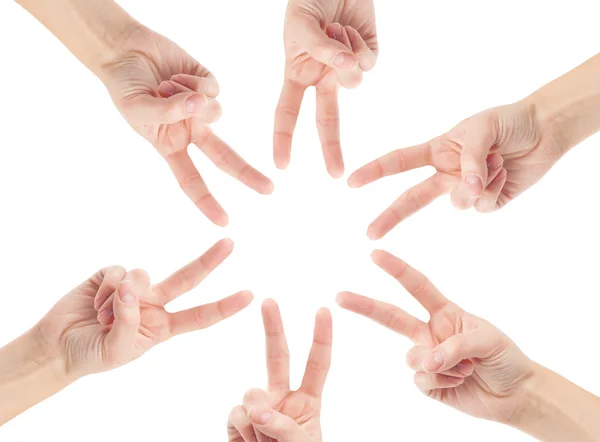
point(307, 32)
point(126, 307)
point(146, 109)
point(276, 425)
point(480, 137)
point(477, 344)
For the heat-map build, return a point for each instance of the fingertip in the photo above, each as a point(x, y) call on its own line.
point(247, 297)
point(269, 303)
point(353, 181)
point(345, 61)
point(434, 362)
point(323, 312)
point(269, 188)
point(227, 244)
point(260, 415)
point(336, 172)
point(221, 220)
point(373, 234)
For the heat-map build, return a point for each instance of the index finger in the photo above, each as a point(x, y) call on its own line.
point(188, 277)
point(395, 162)
point(286, 117)
point(319, 359)
point(226, 159)
point(417, 284)
point(278, 354)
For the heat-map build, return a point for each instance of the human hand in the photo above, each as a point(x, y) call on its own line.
point(508, 148)
point(459, 359)
point(328, 43)
point(279, 413)
point(170, 99)
point(116, 316)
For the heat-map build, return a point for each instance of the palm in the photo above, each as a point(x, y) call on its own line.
point(484, 394)
point(303, 408)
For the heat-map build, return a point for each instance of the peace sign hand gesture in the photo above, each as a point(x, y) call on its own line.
point(116, 316)
point(279, 413)
point(459, 359)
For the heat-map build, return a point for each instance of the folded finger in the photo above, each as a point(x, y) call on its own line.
point(461, 196)
point(239, 426)
point(366, 57)
point(349, 78)
point(204, 85)
point(147, 109)
point(193, 185)
point(409, 203)
point(489, 201)
point(328, 126)
point(417, 359)
point(226, 159)
point(204, 316)
point(427, 382)
point(112, 277)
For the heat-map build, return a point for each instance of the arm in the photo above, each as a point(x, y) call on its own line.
point(555, 410)
point(570, 105)
point(29, 373)
point(91, 29)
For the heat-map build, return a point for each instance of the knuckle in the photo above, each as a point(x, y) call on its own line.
point(190, 181)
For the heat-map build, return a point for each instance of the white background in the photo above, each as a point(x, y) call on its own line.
point(80, 190)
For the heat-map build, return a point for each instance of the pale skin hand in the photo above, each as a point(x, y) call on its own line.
point(459, 359)
point(328, 43)
point(136, 319)
point(508, 148)
point(170, 99)
point(279, 413)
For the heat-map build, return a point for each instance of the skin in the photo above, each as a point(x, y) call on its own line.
point(465, 362)
point(164, 93)
point(278, 412)
point(328, 44)
point(71, 342)
point(529, 136)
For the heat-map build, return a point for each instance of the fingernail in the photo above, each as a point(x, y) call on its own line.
point(167, 88)
point(344, 61)
point(194, 103)
point(464, 368)
point(261, 418)
point(435, 362)
point(126, 294)
point(474, 184)
point(494, 162)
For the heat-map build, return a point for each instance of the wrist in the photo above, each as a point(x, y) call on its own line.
point(568, 108)
point(93, 30)
point(552, 409)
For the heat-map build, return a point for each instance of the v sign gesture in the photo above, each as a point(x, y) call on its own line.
point(279, 413)
point(328, 43)
point(459, 359)
point(116, 316)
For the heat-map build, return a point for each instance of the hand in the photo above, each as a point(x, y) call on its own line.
point(507, 148)
point(116, 316)
point(459, 359)
point(279, 413)
point(328, 43)
point(169, 99)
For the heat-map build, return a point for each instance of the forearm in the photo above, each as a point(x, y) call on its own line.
point(28, 375)
point(91, 29)
point(555, 410)
point(570, 105)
